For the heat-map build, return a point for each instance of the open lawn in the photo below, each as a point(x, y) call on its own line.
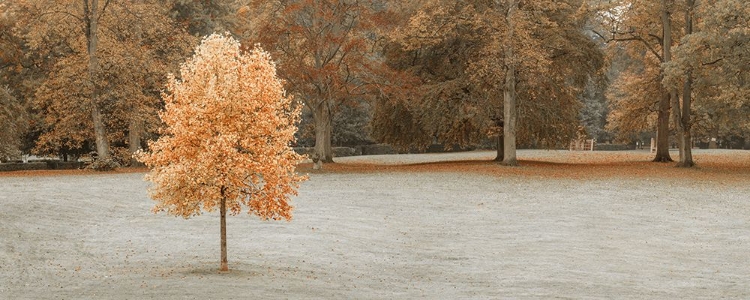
point(436, 226)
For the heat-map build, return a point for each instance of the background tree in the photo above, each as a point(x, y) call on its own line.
point(136, 43)
point(13, 117)
point(709, 64)
point(631, 98)
point(460, 52)
point(14, 122)
point(202, 18)
point(326, 53)
point(593, 114)
point(646, 29)
point(226, 140)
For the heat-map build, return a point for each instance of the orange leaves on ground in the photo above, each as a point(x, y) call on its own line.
point(228, 128)
point(725, 166)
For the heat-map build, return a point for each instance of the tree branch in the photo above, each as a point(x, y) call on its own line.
point(712, 62)
point(640, 39)
point(104, 9)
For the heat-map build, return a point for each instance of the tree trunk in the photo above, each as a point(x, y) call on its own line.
point(686, 140)
point(662, 129)
point(135, 129)
point(677, 120)
point(323, 130)
point(509, 94)
point(500, 147)
point(223, 211)
point(100, 132)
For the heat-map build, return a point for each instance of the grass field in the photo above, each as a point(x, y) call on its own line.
point(436, 226)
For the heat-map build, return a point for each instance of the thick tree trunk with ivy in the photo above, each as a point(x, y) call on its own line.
point(323, 132)
point(662, 130)
point(91, 18)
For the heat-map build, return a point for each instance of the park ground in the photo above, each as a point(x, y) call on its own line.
point(576, 225)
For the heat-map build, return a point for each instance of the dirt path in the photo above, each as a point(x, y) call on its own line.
point(393, 235)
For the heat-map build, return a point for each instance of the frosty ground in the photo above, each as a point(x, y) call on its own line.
point(563, 225)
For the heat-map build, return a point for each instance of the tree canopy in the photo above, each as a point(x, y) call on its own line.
point(464, 52)
point(226, 141)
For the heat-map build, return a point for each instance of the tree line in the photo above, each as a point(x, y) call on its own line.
point(82, 75)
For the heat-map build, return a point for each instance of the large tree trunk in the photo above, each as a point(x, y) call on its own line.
point(223, 211)
point(686, 140)
point(323, 130)
point(135, 129)
point(100, 132)
point(662, 129)
point(509, 94)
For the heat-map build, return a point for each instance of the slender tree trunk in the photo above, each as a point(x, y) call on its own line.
point(91, 19)
point(662, 130)
point(323, 131)
point(509, 93)
point(223, 211)
point(686, 140)
point(135, 129)
point(677, 120)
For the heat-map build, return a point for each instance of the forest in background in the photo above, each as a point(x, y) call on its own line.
point(87, 75)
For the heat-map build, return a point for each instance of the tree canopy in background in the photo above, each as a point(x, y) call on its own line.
point(327, 53)
point(717, 55)
point(406, 73)
point(464, 53)
point(13, 123)
point(136, 44)
point(701, 36)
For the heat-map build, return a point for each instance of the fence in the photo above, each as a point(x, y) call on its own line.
point(582, 145)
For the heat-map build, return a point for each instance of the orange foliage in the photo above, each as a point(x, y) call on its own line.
point(228, 129)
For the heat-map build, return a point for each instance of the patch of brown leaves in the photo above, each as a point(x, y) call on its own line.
point(725, 166)
point(35, 173)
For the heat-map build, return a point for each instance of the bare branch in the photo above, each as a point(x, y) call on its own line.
point(712, 62)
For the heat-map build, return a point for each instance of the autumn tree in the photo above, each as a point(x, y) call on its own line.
point(520, 63)
point(12, 111)
point(325, 50)
point(226, 140)
point(134, 45)
point(647, 31)
point(710, 65)
point(13, 121)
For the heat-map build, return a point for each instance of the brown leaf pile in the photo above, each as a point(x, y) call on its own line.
point(35, 173)
point(722, 166)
